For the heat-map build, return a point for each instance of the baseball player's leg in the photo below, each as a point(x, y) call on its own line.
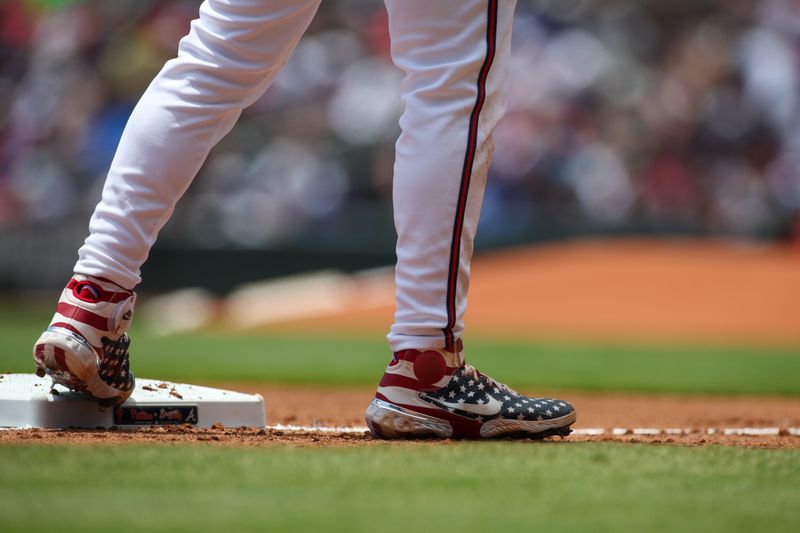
point(232, 53)
point(454, 54)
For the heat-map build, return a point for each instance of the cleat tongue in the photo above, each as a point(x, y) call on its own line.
point(40, 372)
point(88, 292)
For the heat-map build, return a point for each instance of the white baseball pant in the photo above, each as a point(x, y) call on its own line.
point(454, 54)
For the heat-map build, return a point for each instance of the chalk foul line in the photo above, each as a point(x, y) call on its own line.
point(590, 432)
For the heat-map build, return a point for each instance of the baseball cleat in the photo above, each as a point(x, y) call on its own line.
point(434, 393)
point(85, 348)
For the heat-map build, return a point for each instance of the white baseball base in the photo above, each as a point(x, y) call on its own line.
point(27, 401)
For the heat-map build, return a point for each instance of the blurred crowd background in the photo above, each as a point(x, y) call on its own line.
point(625, 117)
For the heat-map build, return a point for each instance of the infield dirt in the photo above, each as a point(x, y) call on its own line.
point(344, 407)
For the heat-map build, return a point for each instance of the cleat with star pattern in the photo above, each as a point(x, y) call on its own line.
point(435, 394)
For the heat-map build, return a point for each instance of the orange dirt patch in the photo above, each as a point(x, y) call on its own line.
point(654, 291)
point(345, 407)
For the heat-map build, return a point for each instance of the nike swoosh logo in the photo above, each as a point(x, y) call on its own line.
point(490, 408)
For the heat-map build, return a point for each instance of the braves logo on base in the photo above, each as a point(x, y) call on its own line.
point(155, 415)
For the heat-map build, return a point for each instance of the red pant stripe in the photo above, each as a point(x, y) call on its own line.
point(466, 174)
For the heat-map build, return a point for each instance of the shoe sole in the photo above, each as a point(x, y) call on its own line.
point(75, 368)
point(389, 421)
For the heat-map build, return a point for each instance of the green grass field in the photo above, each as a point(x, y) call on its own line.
point(502, 486)
point(322, 359)
point(454, 487)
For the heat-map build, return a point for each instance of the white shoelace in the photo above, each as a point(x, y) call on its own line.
point(473, 372)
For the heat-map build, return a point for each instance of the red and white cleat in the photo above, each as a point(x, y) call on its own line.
point(85, 348)
point(434, 393)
